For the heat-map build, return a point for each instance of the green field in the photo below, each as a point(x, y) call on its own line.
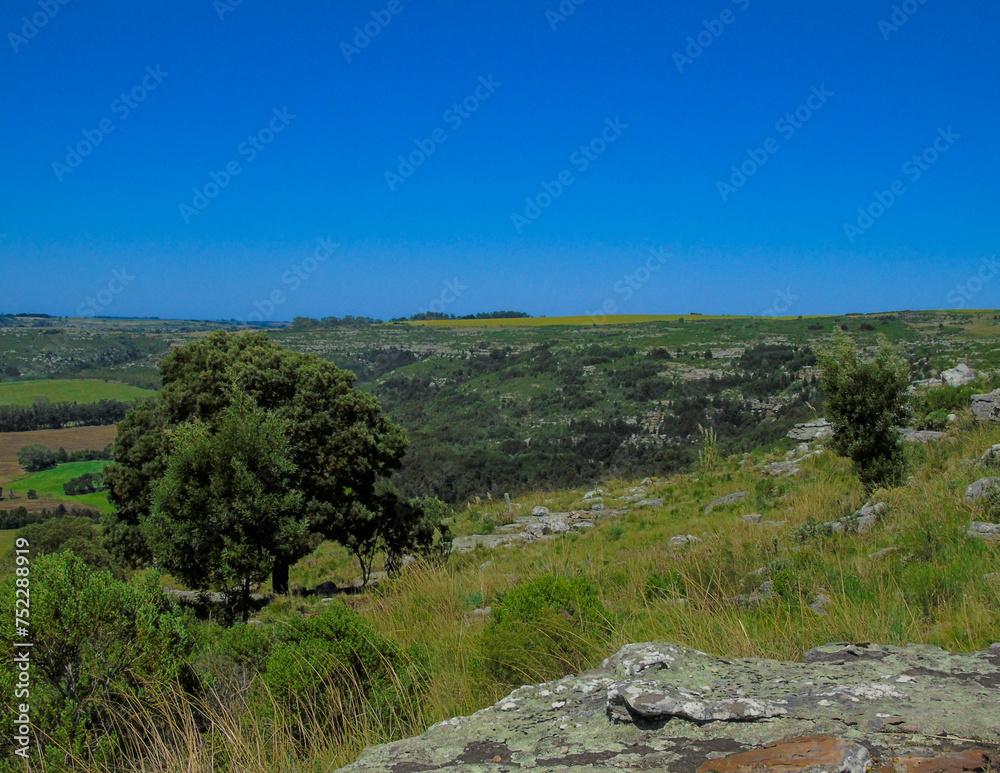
point(50, 483)
point(67, 391)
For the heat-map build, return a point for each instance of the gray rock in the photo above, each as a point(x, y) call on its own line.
point(980, 488)
point(635, 497)
point(958, 376)
point(645, 481)
point(952, 418)
point(861, 521)
point(820, 429)
point(485, 566)
point(753, 518)
point(487, 541)
point(725, 501)
point(990, 456)
point(664, 707)
point(597, 506)
point(883, 553)
point(682, 540)
point(911, 435)
point(485, 612)
point(597, 492)
point(987, 531)
point(649, 502)
point(781, 469)
point(540, 511)
point(987, 407)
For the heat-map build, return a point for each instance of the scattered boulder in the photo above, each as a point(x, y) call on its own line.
point(645, 481)
point(990, 456)
point(752, 518)
point(859, 522)
point(488, 541)
point(485, 612)
point(725, 501)
point(597, 492)
point(883, 553)
point(845, 709)
point(597, 506)
point(782, 469)
point(958, 376)
point(820, 429)
point(987, 531)
point(635, 497)
point(980, 489)
point(649, 502)
point(483, 567)
point(987, 407)
point(682, 540)
point(911, 435)
point(540, 511)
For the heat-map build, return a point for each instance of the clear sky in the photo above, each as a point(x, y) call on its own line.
point(192, 158)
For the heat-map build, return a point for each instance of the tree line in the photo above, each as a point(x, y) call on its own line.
point(43, 414)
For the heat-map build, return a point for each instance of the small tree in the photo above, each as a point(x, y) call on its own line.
point(866, 401)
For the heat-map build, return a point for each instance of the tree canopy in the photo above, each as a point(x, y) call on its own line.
point(244, 428)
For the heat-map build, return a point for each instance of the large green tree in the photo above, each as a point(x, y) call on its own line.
point(227, 506)
point(866, 401)
point(338, 440)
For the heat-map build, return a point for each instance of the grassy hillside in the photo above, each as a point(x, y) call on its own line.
point(70, 391)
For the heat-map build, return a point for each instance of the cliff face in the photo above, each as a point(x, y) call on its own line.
point(658, 707)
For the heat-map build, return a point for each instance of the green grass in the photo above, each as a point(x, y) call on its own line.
point(70, 391)
point(6, 542)
point(50, 483)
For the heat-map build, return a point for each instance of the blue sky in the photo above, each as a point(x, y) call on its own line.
point(557, 158)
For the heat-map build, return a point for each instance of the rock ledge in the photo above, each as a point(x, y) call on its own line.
point(844, 709)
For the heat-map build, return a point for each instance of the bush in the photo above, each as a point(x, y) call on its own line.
point(866, 401)
point(669, 585)
point(327, 672)
point(544, 629)
point(35, 457)
point(98, 643)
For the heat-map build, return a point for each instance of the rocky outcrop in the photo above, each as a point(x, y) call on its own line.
point(958, 376)
point(820, 429)
point(728, 499)
point(976, 491)
point(911, 435)
point(987, 531)
point(845, 709)
point(987, 407)
point(859, 522)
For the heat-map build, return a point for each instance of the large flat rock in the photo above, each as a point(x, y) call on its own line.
point(660, 707)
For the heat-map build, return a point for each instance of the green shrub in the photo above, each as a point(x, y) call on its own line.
point(328, 672)
point(866, 401)
point(98, 644)
point(544, 629)
point(665, 585)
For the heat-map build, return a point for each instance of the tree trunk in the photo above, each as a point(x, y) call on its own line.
point(279, 577)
